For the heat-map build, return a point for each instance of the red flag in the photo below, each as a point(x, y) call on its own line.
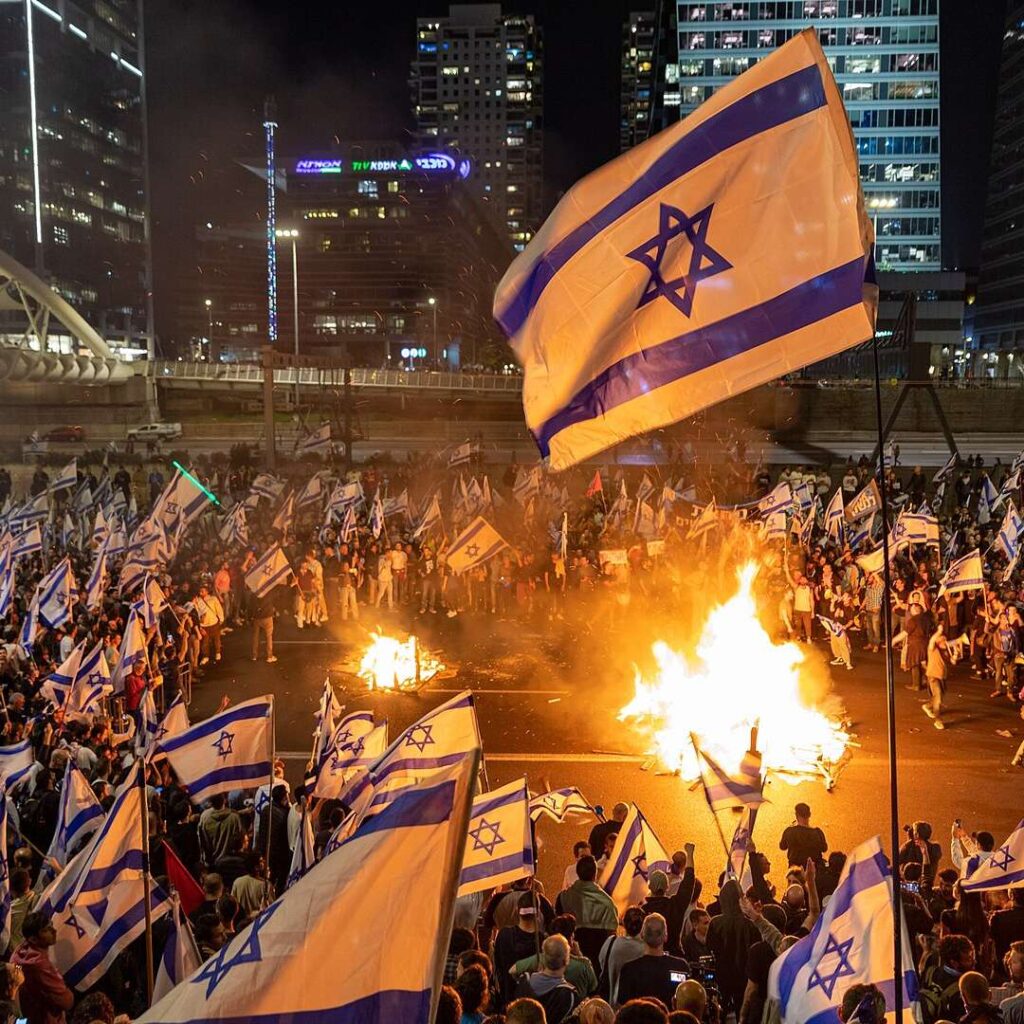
point(596, 487)
point(189, 891)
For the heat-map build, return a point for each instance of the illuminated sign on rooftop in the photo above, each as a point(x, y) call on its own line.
point(429, 163)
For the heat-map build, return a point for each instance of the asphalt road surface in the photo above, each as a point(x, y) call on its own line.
point(548, 696)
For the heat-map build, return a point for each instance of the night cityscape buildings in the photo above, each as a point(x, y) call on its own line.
point(73, 167)
point(477, 83)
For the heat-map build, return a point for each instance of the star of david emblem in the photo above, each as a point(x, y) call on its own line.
point(249, 952)
point(425, 738)
point(841, 969)
point(160, 733)
point(1002, 858)
point(472, 550)
point(640, 866)
point(704, 261)
point(224, 744)
point(338, 763)
point(171, 508)
point(72, 922)
point(268, 570)
point(551, 801)
point(341, 740)
point(262, 799)
point(479, 843)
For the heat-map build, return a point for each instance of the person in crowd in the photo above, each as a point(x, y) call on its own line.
point(549, 985)
point(620, 949)
point(591, 907)
point(801, 841)
point(44, 997)
point(655, 974)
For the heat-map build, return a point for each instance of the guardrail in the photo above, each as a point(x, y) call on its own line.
point(362, 377)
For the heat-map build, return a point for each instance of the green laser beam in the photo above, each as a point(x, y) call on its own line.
point(181, 469)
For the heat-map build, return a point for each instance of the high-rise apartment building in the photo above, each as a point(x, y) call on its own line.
point(885, 56)
point(999, 311)
point(638, 70)
point(73, 158)
point(477, 81)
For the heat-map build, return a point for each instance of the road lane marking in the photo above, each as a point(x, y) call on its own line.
point(303, 755)
point(475, 689)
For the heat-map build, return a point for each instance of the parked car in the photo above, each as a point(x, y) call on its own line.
point(154, 432)
point(65, 434)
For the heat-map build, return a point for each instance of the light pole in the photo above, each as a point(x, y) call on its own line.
point(433, 305)
point(293, 234)
point(876, 203)
point(209, 328)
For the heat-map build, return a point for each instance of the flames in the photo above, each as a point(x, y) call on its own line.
point(393, 664)
point(739, 679)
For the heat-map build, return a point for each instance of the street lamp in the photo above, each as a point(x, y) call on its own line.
point(293, 234)
point(432, 302)
point(209, 326)
point(876, 203)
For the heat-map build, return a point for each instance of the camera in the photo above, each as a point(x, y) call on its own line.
point(912, 887)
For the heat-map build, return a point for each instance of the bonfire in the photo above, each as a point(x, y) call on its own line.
point(393, 664)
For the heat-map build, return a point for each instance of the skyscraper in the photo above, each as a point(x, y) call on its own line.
point(999, 312)
point(885, 56)
point(637, 69)
point(73, 186)
point(477, 90)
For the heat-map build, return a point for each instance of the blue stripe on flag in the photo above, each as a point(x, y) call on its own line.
point(493, 805)
point(272, 581)
point(378, 1008)
point(776, 103)
point(640, 373)
point(493, 868)
point(101, 878)
point(624, 853)
point(888, 990)
point(215, 725)
point(418, 807)
point(260, 770)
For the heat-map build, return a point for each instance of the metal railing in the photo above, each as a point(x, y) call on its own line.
point(362, 377)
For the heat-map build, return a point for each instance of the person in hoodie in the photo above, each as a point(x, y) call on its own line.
point(730, 936)
point(594, 910)
point(44, 997)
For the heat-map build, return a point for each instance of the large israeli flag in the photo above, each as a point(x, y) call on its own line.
point(727, 250)
point(79, 814)
point(231, 750)
point(963, 574)
point(499, 848)
point(476, 544)
point(271, 569)
point(637, 852)
point(27, 542)
point(1002, 869)
point(267, 973)
point(851, 943)
point(731, 791)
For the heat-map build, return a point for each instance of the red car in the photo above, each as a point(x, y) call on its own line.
point(66, 434)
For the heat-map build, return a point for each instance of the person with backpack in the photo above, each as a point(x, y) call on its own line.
point(940, 984)
point(548, 985)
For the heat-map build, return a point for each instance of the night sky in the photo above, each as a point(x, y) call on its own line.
point(339, 70)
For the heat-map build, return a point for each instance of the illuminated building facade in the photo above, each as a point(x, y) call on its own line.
point(73, 185)
point(477, 81)
point(393, 253)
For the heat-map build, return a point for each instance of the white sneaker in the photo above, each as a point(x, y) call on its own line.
point(271, 659)
point(938, 724)
point(926, 708)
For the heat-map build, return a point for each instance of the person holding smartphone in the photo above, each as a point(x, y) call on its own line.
point(654, 974)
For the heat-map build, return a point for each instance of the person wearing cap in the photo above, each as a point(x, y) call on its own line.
point(514, 943)
point(672, 908)
point(801, 841)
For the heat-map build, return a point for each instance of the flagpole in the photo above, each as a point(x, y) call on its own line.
point(718, 824)
point(890, 689)
point(270, 795)
point(146, 883)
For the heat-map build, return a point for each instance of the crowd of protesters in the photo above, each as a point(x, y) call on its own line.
point(615, 542)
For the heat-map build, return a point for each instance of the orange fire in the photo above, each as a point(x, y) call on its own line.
point(393, 664)
point(739, 679)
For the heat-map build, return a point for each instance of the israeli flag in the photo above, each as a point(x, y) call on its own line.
point(803, 495)
point(862, 535)
point(55, 594)
point(91, 686)
point(948, 468)
point(181, 503)
point(400, 505)
point(728, 249)
point(1002, 869)
point(344, 495)
point(460, 455)
point(311, 494)
point(68, 532)
point(774, 526)
point(16, 762)
point(851, 943)
point(231, 750)
point(152, 603)
point(729, 791)
point(431, 518)
point(559, 804)
point(57, 685)
point(267, 486)
point(353, 750)
point(705, 522)
point(148, 725)
point(271, 569)
point(174, 723)
point(739, 848)
point(35, 510)
point(637, 852)
point(303, 857)
point(475, 545)
point(376, 517)
point(67, 478)
point(318, 440)
point(348, 525)
point(1010, 484)
point(235, 529)
point(835, 518)
point(963, 574)
point(264, 973)
point(79, 814)
point(326, 720)
point(833, 628)
point(8, 584)
point(1008, 539)
point(133, 650)
point(28, 542)
point(180, 957)
point(499, 847)
point(27, 636)
point(100, 529)
point(780, 499)
point(117, 542)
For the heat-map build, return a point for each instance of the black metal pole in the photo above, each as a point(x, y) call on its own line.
point(890, 691)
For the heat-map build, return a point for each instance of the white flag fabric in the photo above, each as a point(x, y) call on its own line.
point(311, 494)
point(637, 852)
point(352, 750)
point(835, 518)
point(326, 721)
point(132, 650)
point(558, 804)
point(1002, 869)
point(91, 685)
point(16, 762)
point(303, 857)
point(1008, 539)
point(963, 574)
point(271, 569)
point(231, 750)
point(180, 504)
point(180, 956)
point(57, 685)
point(851, 943)
point(725, 251)
point(266, 972)
point(27, 542)
point(318, 440)
point(731, 790)
point(79, 814)
point(67, 477)
point(476, 544)
point(174, 723)
point(499, 847)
